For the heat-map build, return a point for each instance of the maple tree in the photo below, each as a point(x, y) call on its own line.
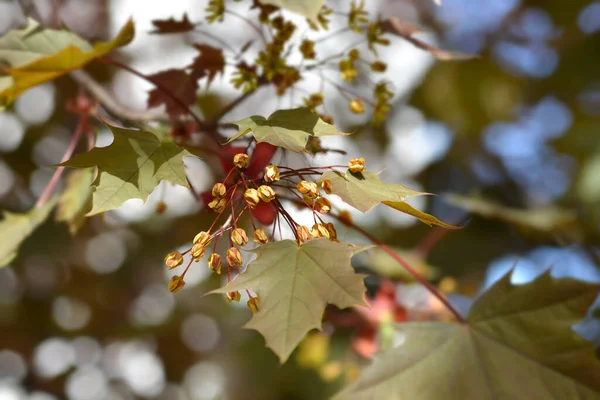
point(294, 273)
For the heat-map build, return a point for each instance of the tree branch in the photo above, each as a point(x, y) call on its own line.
point(110, 103)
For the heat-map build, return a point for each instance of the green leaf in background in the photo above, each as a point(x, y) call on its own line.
point(36, 55)
point(549, 219)
point(131, 167)
point(76, 200)
point(308, 8)
point(294, 285)
point(365, 190)
point(517, 344)
point(15, 228)
point(289, 129)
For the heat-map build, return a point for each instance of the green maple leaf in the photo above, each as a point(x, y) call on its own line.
point(131, 167)
point(517, 344)
point(294, 284)
point(307, 8)
point(15, 228)
point(289, 129)
point(34, 55)
point(365, 190)
point(76, 200)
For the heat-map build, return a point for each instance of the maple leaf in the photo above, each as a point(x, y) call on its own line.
point(180, 84)
point(294, 284)
point(365, 190)
point(517, 344)
point(35, 55)
point(131, 167)
point(307, 8)
point(15, 228)
point(289, 129)
point(210, 62)
point(76, 200)
point(171, 25)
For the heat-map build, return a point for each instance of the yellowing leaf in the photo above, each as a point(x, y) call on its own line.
point(420, 215)
point(35, 55)
point(517, 344)
point(131, 167)
point(76, 200)
point(294, 284)
point(15, 228)
point(307, 8)
point(289, 129)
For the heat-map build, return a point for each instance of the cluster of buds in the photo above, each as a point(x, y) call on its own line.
point(356, 165)
point(252, 302)
point(327, 230)
point(218, 203)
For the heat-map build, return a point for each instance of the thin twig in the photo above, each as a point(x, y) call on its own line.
point(110, 103)
point(82, 126)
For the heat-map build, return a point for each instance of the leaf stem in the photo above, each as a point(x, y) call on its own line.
point(432, 289)
point(82, 126)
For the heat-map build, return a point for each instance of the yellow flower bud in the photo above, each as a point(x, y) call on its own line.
point(271, 173)
point(326, 186)
point(202, 238)
point(198, 251)
point(173, 260)
point(251, 197)
point(239, 237)
point(176, 283)
point(319, 230)
point(331, 229)
point(266, 193)
point(260, 237)
point(345, 217)
point(303, 233)
point(234, 257)
point(233, 296)
point(240, 160)
point(379, 66)
point(354, 54)
point(309, 189)
point(217, 205)
point(253, 304)
point(214, 262)
point(219, 190)
point(322, 205)
point(356, 165)
point(357, 106)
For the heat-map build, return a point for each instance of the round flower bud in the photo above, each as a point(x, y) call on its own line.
point(202, 238)
point(309, 189)
point(161, 207)
point(303, 233)
point(239, 237)
point(219, 190)
point(260, 237)
point(176, 283)
point(234, 257)
point(173, 260)
point(214, 262)
point(331, 229)
point(251, 197)
point(357, 106)
point(322, 205)
point(266, 193)
point(319, 230)
point(198, 251)
point(271, 173)
point(356, 165)
point(217, 205)
point(253, 304)
point(379, 66)
point(345, 217)
point(240, 160)
point(326, 186)
point(233, 296)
